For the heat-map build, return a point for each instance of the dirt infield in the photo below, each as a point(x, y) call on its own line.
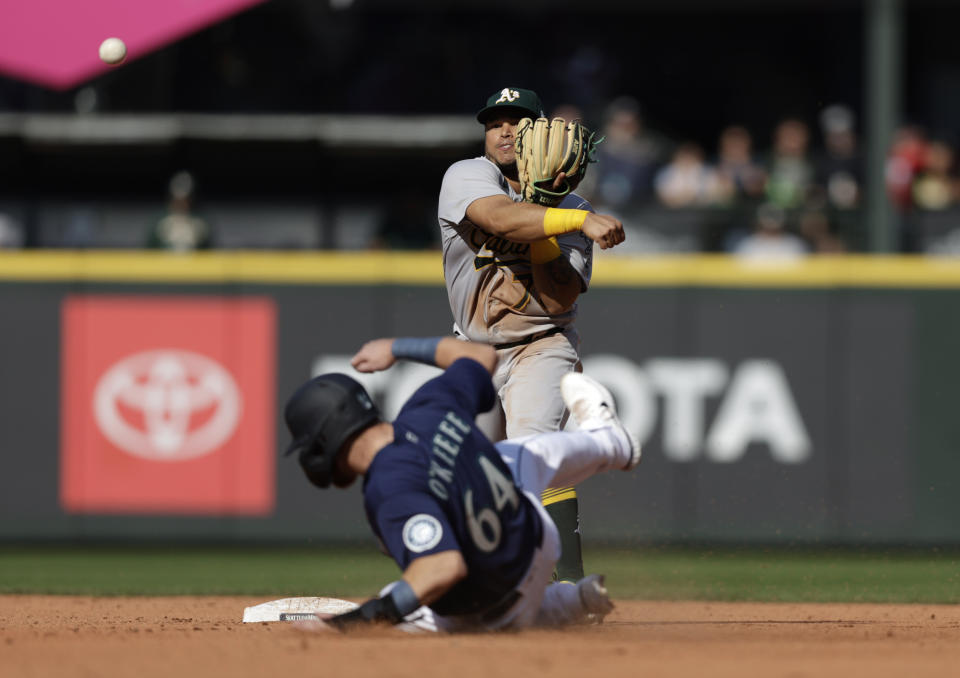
point(73, 636)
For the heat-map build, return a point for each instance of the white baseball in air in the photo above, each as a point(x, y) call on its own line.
point(113, 51)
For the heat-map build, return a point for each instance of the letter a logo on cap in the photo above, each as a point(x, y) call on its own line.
point(508, 95)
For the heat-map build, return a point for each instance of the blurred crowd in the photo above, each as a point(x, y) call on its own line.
point(782, 196)
point(799, 191)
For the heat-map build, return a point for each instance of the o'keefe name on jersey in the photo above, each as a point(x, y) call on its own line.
point(446, 446)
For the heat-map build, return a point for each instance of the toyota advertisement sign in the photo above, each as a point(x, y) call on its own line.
point(168, 405)
point(766, 414)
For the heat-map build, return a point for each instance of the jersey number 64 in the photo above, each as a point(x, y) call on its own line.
point(484, 525)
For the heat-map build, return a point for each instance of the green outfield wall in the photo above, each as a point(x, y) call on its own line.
point(141, 393)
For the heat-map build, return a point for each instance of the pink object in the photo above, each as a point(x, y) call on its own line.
point(168, 405)
point(55, 43)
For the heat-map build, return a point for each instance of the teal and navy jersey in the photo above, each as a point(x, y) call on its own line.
point(441, 485)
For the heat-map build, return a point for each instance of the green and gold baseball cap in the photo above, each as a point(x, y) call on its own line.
point(523, 101)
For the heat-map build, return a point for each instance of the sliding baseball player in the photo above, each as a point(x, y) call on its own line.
point(460, 516)
point(514, 271)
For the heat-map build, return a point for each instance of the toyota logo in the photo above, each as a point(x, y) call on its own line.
point(167, 405)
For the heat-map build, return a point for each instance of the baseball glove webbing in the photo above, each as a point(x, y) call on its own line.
point(545, 148)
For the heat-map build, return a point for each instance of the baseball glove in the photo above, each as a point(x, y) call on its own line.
point(547, 147)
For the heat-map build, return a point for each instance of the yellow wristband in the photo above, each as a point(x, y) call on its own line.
point(542, 251)
point(557, 221)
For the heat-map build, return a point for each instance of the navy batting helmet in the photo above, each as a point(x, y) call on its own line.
point(322, 415)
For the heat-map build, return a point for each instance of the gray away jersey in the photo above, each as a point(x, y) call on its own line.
point(487, 276)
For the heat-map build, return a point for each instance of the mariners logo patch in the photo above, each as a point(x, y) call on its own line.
point(421, 533)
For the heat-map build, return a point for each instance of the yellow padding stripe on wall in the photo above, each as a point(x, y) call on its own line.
point(424, 268)
point(814, 271)
point(370, 268)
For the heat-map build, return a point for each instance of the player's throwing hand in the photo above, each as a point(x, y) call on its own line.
point(603, 229)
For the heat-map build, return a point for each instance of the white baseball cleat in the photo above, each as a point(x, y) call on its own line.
point(594, 597)
point(592, 406)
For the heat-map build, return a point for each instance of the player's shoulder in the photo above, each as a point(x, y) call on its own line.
point(464, 374)
point(478, 166)
point(572, 201)
point(467, 367)
point(465, 385)
point(389, 474)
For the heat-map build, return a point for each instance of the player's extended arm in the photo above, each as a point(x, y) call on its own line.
point(380, 354)
point(432, 576)
point(424, 581)
point(516, 221)
point(526, 222)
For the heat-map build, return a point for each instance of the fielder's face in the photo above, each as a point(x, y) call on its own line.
point(501, 133)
